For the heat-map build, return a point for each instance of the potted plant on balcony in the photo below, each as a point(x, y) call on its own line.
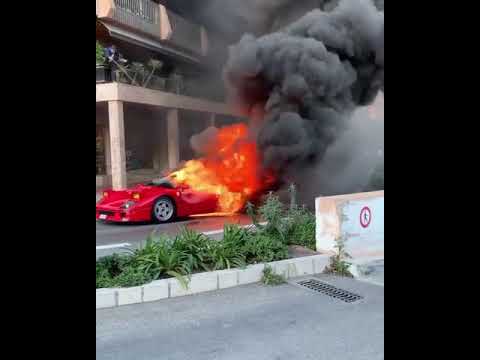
point(103, 73)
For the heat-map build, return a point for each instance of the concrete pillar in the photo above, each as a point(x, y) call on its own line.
point(108, 156)
point(173, 134)
point(211, 120)
point(117, 145)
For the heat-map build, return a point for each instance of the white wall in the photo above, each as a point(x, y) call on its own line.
point(357, 218)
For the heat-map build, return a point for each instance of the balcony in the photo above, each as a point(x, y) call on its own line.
point(155, 21)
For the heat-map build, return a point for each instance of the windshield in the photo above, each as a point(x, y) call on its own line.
point(164, 182)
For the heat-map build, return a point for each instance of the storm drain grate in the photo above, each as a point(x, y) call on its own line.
point(330, 290)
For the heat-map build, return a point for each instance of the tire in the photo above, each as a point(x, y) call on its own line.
point(164, 210)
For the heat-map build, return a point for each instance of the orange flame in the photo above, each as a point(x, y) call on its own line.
point(231, 169)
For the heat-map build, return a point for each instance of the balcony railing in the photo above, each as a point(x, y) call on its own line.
point(154, 20)
point(176, 83)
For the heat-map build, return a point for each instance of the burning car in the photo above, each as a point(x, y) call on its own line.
point(159, 201)
point(222, 182)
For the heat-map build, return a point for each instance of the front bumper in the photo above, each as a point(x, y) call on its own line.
point(110, 214)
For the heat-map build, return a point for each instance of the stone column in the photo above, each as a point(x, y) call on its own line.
point(108, 157)
point(117, 145)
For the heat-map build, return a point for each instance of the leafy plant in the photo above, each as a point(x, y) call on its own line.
point(195, 246)
point(113, 264)
point(131, 276)
point(293, 226)
point(118, 271)
point(104, 280)
point(338, 264)
point(263, 248)
point(270, 278)
point(159, 257)
point(300, 226)
point(272, 211)
point(230, 251)
point(100, 54)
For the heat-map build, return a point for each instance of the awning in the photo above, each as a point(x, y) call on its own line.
point(122, 34)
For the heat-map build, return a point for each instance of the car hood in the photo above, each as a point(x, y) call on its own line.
point(115, 197)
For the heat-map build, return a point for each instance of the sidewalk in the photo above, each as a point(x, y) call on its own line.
point(372, 270)
point(296, 323)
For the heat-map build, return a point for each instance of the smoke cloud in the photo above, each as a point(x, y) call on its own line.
point(307, 80)
point(200, 142)
point(349, 163)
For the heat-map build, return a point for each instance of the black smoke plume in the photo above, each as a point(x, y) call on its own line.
point(307, 79)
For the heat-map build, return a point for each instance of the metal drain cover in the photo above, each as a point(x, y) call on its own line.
point(330, 290)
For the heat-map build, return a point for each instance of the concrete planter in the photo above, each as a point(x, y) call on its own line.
point(209, 281)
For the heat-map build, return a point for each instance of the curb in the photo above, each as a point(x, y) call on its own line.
point(359, 266)
point(208, 281)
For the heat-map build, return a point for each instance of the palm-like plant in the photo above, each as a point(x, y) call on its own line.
point(158, 257)
point(231, 251)
point(195, 246)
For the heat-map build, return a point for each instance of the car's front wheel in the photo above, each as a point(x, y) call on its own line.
point(164, 210)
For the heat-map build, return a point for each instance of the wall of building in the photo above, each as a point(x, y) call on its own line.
point(358, 219)
point(191, 123)
point(145, 136)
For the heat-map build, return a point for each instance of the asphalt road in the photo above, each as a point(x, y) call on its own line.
point(110, 237)
point(251, 322)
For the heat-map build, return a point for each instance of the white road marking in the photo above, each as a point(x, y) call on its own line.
point(113, 246)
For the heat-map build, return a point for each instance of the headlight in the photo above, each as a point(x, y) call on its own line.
point(128, 204)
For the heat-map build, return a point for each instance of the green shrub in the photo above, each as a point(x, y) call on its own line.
point(263, 248)
point(270, 278)
point(272, 212)
point(338, 264)
point(113, 264)
point(293, 226)
point(118, 271)
point(195, 246)
point(230, 251)
point(158, 258)
point(301, 225)
point(131, 276)
point(104, 280)
point(100, 55)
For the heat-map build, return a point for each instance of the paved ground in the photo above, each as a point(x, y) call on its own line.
point(248, 323)
point(108, 236)
point(373, 272)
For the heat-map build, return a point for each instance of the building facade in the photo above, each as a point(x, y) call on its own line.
point(159, 99)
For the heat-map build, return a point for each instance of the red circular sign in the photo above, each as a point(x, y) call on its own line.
point(365, 217)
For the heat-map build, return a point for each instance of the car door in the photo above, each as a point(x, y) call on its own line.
point(198, 202)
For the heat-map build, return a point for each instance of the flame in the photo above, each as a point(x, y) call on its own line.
point(231, 169)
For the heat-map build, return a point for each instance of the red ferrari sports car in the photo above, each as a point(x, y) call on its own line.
point(159, 201)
